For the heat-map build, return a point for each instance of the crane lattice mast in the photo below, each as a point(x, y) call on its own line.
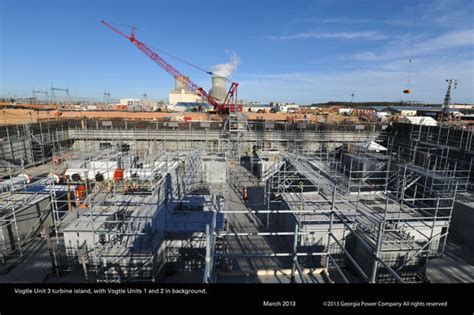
point(230, 102)
point(452, 84)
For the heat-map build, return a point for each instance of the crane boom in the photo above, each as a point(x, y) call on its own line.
point(193, 87)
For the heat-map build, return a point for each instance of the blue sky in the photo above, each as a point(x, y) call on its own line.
point(301, 51)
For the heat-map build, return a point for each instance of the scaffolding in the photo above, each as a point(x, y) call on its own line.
point(118, 214)
point(393, 206)
point(331, 205)
point(29, 145)
point(31, 208)
point(128, 221)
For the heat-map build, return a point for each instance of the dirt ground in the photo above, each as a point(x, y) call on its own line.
point(10, 116)
point(20, 116)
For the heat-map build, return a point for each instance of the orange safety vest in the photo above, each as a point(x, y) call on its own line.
point(80, 193)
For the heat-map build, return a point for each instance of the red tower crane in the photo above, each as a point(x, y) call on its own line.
point(228, 104)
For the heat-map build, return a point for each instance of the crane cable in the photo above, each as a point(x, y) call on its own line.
point(179, 59)
point(175, 57)
point(411, 48)
point(187, 62)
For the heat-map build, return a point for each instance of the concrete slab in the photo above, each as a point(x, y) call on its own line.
point(34, 267)
point(248, 222)
point(455, 267)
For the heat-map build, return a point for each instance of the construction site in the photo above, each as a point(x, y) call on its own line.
point(227, 195)
point(240, 201)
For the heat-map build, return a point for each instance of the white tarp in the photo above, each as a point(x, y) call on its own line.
point(421, 120)
point(371, 146)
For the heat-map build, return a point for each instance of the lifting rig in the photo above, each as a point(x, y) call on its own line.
point(445, 115)
point(229, 104)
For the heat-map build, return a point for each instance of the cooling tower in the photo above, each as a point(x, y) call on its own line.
point(178, 85)
point(218, 89)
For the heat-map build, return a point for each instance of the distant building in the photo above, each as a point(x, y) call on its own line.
point(379, 108)
point(345, 111)
point(380, 115)
point(130, 101)
point(462, 106)
point(130, 104)
point(363, 111)
point(255, 108)
point(190, 107)
point(182, 94)
point(139, 104)
point(90, 107)
point(403, 110)
point(432, 111)
point(284, 107)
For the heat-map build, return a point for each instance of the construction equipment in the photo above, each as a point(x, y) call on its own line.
point(452, 84)
point(229, 104)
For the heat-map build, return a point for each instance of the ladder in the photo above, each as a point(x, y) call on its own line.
point(233, 134)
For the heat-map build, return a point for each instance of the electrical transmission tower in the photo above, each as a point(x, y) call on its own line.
point(56, 89)
point(107, 98)
point(45, 93)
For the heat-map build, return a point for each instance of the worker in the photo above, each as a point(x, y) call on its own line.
point(80, 193)
point(245, 194)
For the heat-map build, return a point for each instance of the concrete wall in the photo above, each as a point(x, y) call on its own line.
point(34, 143)
point(392, 254)
point(462, 224)
point(183, 140)
point(30, 220)
point(31, 143)
point(418, 230)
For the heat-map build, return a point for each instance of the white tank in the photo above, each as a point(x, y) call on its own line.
point(76, 174)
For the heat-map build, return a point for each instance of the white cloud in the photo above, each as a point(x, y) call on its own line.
point(383, 83)
point(443, 47)
point(448, 40)
point(402, 48)
point(369, 35)
point(363, 21)
point(447, 13)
